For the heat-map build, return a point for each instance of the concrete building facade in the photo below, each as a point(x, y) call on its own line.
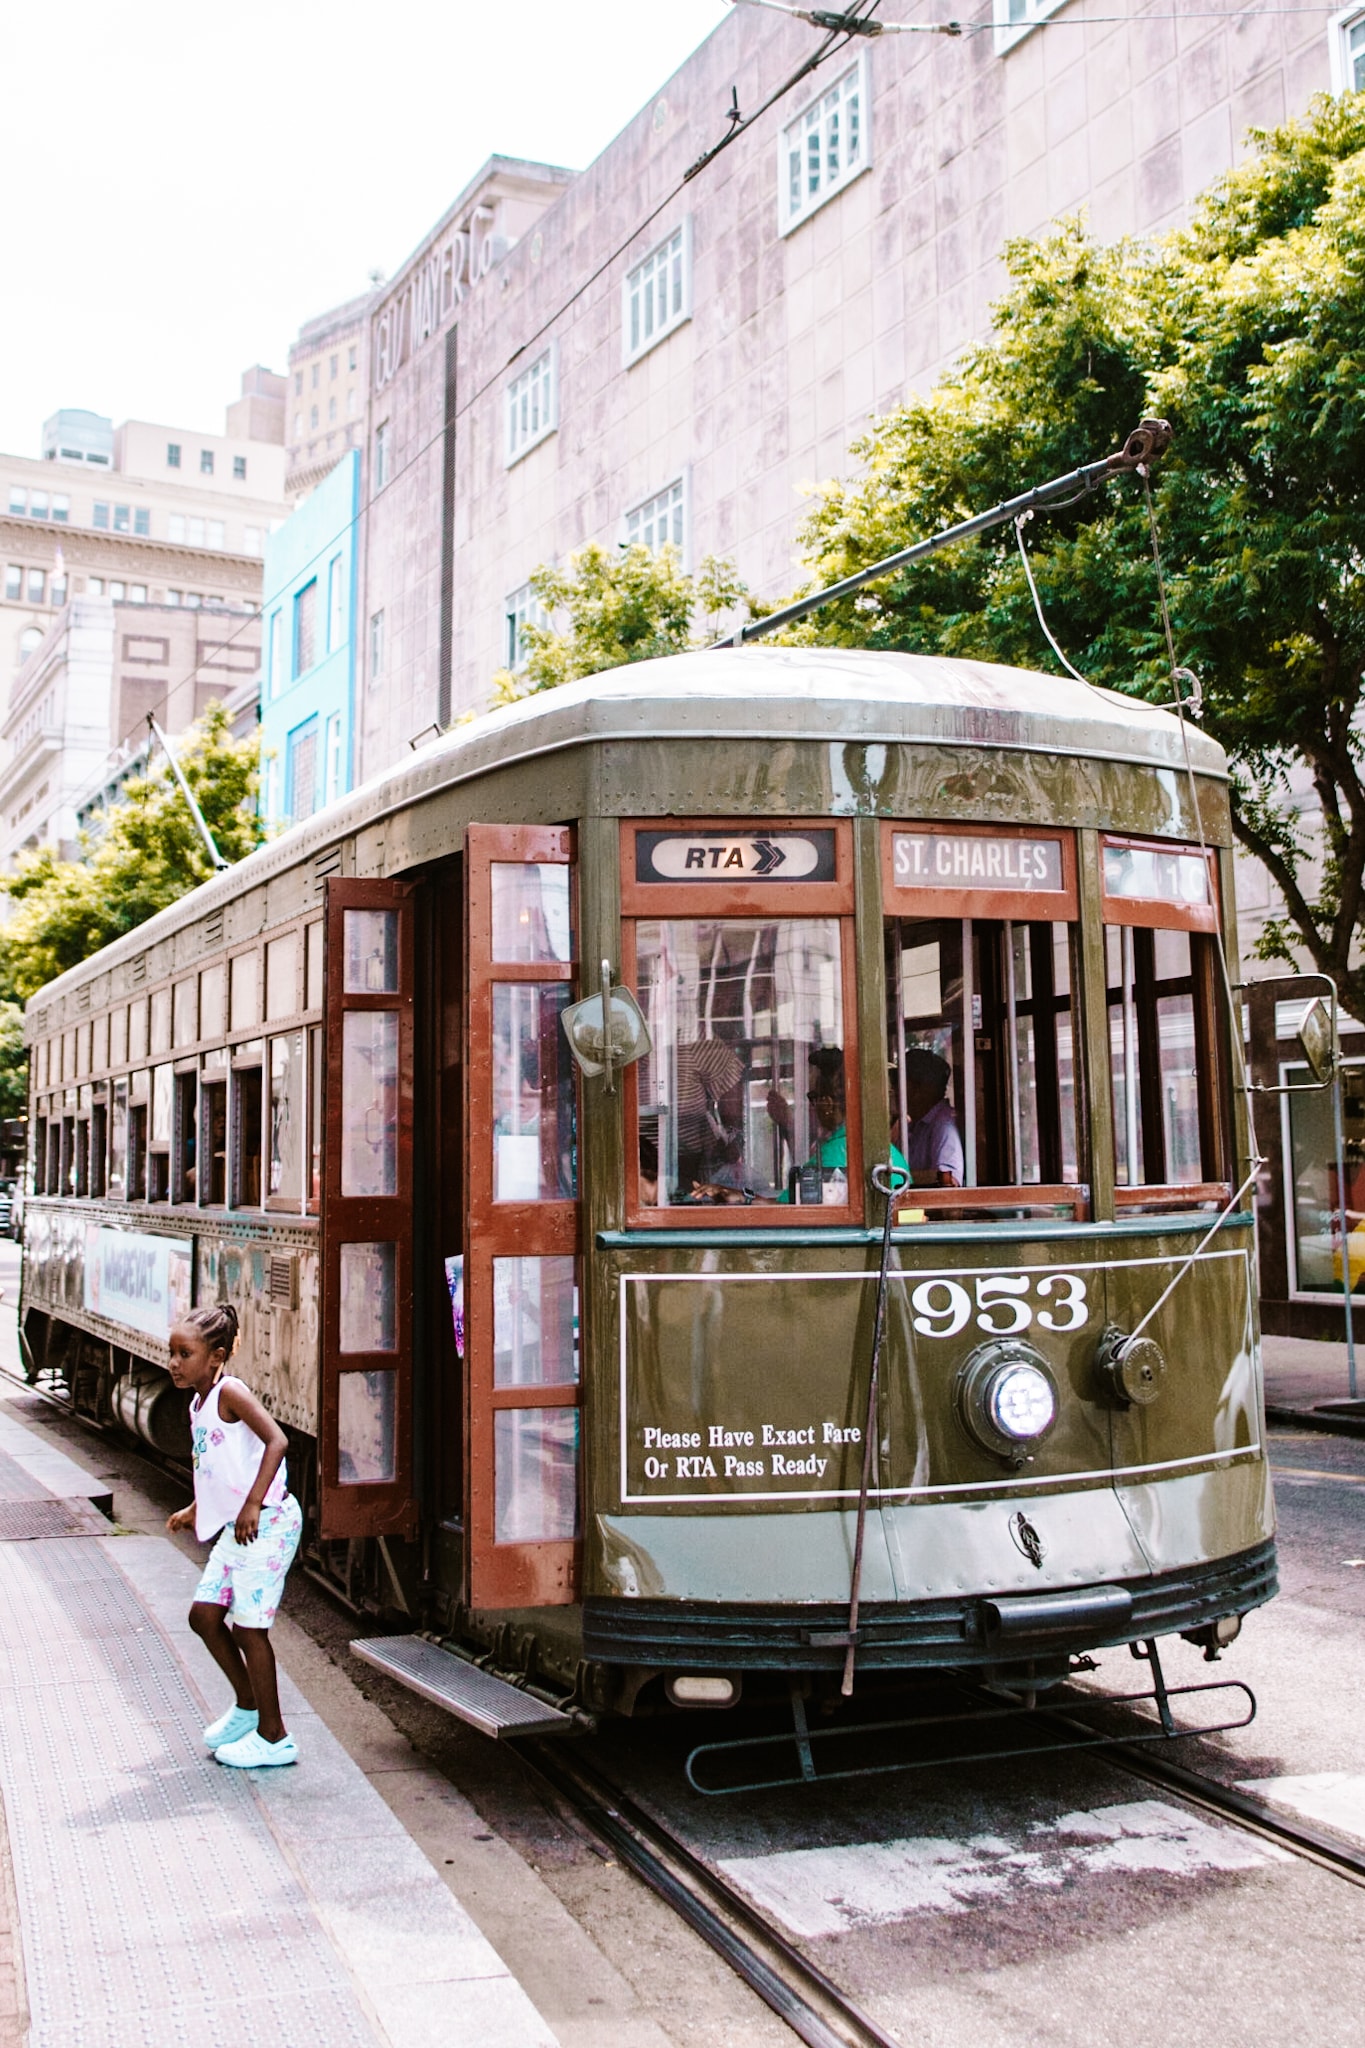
point(142, 513)
point(326, 387)
point(308, 665)
point(636, 352)
point(76, 725)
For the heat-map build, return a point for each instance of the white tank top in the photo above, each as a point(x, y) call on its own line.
point(227, 1457)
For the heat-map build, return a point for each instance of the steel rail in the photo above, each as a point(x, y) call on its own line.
point(1305, 1838)
point(814, 2007)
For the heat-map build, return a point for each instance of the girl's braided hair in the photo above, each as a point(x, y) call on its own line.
point(216, 1324)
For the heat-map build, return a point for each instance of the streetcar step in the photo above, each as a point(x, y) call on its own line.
point(487, 1703)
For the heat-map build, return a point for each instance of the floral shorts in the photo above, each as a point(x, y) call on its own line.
point(248, 1578)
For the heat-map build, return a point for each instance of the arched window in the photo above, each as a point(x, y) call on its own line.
point(29, 641)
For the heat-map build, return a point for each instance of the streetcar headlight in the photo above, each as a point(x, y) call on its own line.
point(1021, 1403)
point(702, 1689)
point(1007, 1398)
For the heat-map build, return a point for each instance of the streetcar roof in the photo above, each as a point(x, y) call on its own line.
point(820, 694)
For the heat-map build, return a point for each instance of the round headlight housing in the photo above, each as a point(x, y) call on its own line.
point(1021, 1402)
point(1006, 1398)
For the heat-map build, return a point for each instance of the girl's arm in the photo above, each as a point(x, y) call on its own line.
point(182, 1519)
point(237, 1403)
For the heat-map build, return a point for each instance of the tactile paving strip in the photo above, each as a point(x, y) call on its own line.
point(158, 1909)
point(22, 1520)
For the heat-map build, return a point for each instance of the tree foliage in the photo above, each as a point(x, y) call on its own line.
point(147, 853)
point(620, 605)
point(1247, 331)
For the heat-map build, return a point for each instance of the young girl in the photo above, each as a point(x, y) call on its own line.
point(239, 1489)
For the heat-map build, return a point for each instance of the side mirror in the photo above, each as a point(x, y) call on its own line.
point(1317, 1036)
point(607, 1031)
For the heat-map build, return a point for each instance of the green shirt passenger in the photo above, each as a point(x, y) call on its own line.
point(827, 1097)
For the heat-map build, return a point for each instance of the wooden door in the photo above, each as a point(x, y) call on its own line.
point(366, 1462)
point(521, 1249)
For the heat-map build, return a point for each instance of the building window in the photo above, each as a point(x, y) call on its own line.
point(18, 502)
point(1348, 50)
point(333, 366)
point(351, 358)
point(274, 680)
point(381, 455)
point(313, 418)
point(376, 645)
point(142, 521)
point(298, 425)
point(30, 640)
point(301, 772)
point(657, 294)
point(192, 600)
point(137, 593)
point(351, 406)
point(333, 759)
point(123, 519)
point(298, 383)
point(94, 586)
point(175, 527)
point(37, 505)
point(118, 591)
point(331, 410)
point(37, 585)
point(61, 507)
point(14, 583)
point(532, 406)
point(825, 147)
point(206, 462)
point(520, 610)
point(174, 597)
point(252, 542)
point(336, 604)
point(239, 468)
point(317, 372)
point(661, 520)
point(57, 592)
point(100, 516)
point(305, 628)
point(216, 533)
point(172, 455)
point(1014, 19)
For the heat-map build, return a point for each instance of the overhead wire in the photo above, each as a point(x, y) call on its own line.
point(833, 42)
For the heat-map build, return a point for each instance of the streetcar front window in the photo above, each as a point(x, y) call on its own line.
point(1163, 1059)
point(118, 1140)
point(744, 1095)
point(982, 1051)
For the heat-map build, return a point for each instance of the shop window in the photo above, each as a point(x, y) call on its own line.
point(983, 1091)
point(247, 1137)
point(185, 1150)
point(214, 1143)
point(1313, 1203)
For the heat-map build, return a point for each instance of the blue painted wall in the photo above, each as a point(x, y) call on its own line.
point(310, 690)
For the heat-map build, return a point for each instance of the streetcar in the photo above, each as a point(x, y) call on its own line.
point(574, 1352)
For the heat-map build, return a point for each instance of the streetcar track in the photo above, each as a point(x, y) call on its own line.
point(810, 2003)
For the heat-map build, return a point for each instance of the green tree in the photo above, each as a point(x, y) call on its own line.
point(13, 1062)
point(621, 604)
point(1247, 332)
point(146, 854)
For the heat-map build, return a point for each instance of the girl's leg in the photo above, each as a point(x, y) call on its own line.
point(254, 1646)
point(210, 1624)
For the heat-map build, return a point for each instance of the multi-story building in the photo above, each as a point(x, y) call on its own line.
point(326, 385)
point(76, 726)
point(545, 372)
point(141, 513)
point(308, 665)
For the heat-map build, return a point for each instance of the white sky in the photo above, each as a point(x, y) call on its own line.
point(190, 180)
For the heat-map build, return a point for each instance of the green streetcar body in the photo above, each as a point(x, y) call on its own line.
point(748, 1328)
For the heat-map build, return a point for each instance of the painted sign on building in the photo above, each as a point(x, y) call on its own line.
point(138, 1280)
point(431, 292)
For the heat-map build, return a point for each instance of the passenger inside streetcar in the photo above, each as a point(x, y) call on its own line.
point(933, 1145)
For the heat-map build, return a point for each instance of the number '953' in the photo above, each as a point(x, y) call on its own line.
point(1003, 1304)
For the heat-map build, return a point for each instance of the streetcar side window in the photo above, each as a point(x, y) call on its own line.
point(247, 1134)
point(53, 1181)
point(118, 1140)
point(744, 1096)
point(184, 1156)
point(287, 1082)
point(213, 1189)
point(66, 1185)
point(99, 1141)
point(982, 1051)
point(40, 1155)
point(1163, 1057)
point(81, 1176)
point(137, 1152)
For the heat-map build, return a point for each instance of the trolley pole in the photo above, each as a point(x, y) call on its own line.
point(1147, 441)
point(220, 863)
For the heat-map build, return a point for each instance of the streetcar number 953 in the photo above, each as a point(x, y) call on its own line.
point(1002, 1303)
